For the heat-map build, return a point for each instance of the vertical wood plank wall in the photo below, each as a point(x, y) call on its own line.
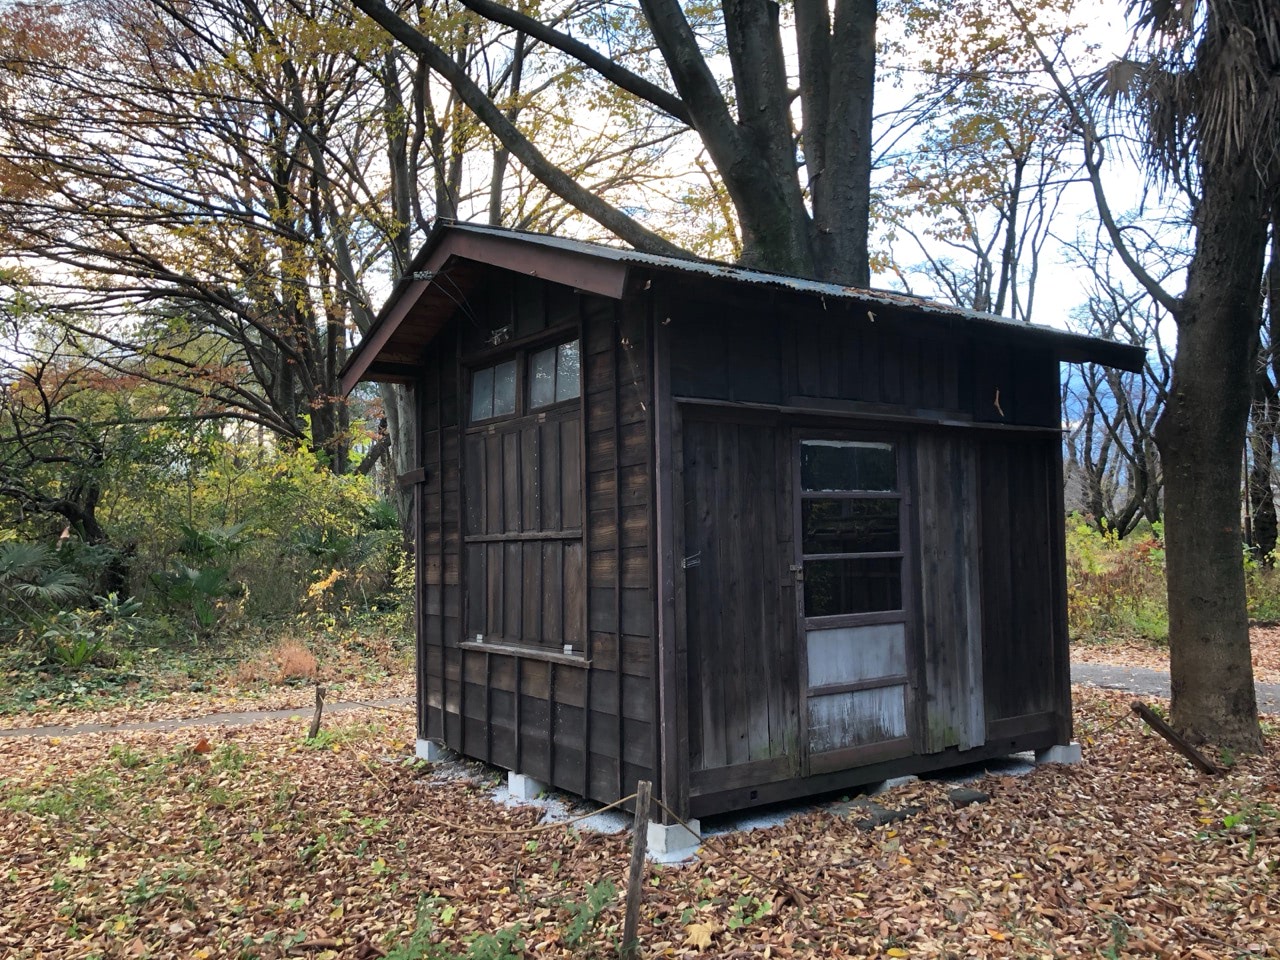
point(439, 543)
point(619, 567)
point(584, 723)
point(810, 354)
point(990, 602)
point(1022, 589)
point(743, 687)
point(946, 495)
point(991, 645)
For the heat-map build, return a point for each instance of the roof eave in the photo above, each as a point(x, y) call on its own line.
point(581, 271)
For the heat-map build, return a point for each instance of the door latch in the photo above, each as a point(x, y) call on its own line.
point(797, 571)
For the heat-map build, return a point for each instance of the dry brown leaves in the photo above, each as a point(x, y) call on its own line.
point(1264, 642)
point(139, 845)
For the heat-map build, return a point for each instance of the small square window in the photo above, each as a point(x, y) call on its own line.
point(554, 375)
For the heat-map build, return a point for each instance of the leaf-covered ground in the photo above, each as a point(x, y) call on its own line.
point(1264, 643)
point(253, 843)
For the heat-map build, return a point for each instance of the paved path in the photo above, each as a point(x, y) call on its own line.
point(1153, 683)
point(208, 720)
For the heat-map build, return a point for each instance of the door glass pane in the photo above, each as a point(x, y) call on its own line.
point(567, 378)
point(504, 389)
point(852, 719)
point(833, 587)
point(844, 465)
point(850, 654)
point(542, 378)
point(482, 394)
point(850, 526)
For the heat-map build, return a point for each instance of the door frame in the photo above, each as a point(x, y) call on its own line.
point(853, 756)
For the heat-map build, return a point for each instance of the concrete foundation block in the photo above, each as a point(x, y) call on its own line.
point(1060, 753)
point(431, 751)
point(670, 840)
point(522, 787)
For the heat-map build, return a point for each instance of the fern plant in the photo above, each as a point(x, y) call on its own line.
point(33, 581)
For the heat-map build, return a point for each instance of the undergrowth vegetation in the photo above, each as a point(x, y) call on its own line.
point(240, 561)
point(1116, 586)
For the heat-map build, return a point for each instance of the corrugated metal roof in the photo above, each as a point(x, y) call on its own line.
point(611, 266)
point(724, 271)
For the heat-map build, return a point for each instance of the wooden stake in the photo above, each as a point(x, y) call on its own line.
point(315, 720)
point(1198, 759)
point(635, 879)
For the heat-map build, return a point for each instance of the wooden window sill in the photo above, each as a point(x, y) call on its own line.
point(529, 653)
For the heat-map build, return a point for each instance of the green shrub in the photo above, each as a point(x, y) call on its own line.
point(1115, 586)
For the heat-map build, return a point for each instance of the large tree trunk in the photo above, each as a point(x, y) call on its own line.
point(1201, 436)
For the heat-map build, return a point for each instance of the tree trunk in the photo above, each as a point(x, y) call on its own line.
point(1266, 419)
point(1201, 437)
point(398, 403)
point(1262, 439)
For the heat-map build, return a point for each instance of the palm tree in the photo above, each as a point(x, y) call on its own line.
point(1203, 84)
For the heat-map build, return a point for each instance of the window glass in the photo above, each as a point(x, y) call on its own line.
point(568, 379)
point(834, 587)
point(542, 378)
point(482, 394)
point(830, 466)
point(554, 375)
point(864, 525)
point(504, 389)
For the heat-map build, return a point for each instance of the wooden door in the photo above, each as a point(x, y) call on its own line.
point(740, 627)
point(850, 518)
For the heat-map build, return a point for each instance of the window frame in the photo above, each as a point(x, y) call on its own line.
point(522, 354)
point(524, 415)
point(904, 554)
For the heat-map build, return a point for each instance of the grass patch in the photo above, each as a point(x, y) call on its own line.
point(246, 665)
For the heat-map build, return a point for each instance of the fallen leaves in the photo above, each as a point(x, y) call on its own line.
point(141, 845)
point(1264, 645)
point(700, 935)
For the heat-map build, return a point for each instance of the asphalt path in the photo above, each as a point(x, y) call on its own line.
point(1136, 680)
point(208, 720)
point(1153, 683)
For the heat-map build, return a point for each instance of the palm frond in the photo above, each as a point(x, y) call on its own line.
point(1204, 87)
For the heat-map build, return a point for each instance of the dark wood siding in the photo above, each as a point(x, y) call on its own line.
point(1021, 631)
point(946, 494)
point(831, 357)
point(537, 532)
point(548, 547)
point(439, 540)
point(619, 558)
point(743, 685)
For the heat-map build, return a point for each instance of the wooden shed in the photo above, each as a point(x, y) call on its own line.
point(747, 536)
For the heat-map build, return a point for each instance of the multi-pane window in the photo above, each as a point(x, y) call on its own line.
point(529, 381)
point(851, 524)
point(554, 375)
point(522, 503)
point(493, 391)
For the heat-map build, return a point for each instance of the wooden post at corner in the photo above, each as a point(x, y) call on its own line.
point(630, 949)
